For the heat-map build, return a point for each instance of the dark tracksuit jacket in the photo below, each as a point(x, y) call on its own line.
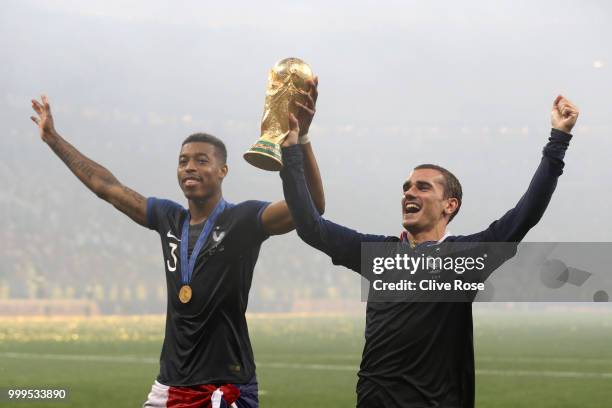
point(417, 354)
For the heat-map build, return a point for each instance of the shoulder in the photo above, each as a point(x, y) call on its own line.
point(249, 205)
point(244, 216)
point(245, 213)
point(162, 209)
point(481, 236)
point(163, 203)
point(246, 208)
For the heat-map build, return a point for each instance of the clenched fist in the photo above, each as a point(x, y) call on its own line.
point(564, 114)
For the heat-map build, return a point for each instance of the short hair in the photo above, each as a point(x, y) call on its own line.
point(200, 137)
point(452, 186)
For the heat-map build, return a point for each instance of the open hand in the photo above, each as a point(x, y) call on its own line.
point(43, 118)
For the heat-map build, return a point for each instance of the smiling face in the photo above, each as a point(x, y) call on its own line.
point(424, 206)
point(200, 171)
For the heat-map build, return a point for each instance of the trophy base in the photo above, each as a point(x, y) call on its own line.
point(265, 155)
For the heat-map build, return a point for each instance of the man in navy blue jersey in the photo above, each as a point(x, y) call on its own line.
point(422, 354)
point(210, 250)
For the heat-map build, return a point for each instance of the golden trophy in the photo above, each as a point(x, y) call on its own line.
point(287, 83)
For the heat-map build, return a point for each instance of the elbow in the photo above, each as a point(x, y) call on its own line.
point(306, 232)
point(104, 191)
point(531, 222)
point(306, 236)
point(101, 193)
point(320, 204)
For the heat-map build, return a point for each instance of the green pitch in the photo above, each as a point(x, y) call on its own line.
point(524, 359)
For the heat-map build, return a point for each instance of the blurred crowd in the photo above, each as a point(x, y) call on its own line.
point(61, 242)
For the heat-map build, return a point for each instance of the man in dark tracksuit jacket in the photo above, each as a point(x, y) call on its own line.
point(421, 354)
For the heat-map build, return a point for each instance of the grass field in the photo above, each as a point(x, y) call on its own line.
point(535, 359)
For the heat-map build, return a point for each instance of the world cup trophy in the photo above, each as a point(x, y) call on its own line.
point(288, 82)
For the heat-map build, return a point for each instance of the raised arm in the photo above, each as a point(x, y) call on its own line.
point(515, 224)
point(276, 218)
point(97, 178)
point(342, 244)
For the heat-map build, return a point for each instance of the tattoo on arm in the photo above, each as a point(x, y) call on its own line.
point(102, 182)
point(131, 204)
point(133, 195)
point(74, 162)
point(89, 172)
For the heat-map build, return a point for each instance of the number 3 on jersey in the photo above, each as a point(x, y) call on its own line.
point(173, 248)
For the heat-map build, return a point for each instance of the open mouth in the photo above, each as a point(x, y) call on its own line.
point(412, 208)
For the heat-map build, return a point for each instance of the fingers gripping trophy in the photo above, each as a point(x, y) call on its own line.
point(288, 92)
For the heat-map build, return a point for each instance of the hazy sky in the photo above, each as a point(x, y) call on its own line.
point(467, 85)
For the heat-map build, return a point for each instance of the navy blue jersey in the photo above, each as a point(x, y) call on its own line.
point(417, 354)
point(207, 339)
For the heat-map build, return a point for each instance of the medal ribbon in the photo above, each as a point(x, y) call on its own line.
point(188, 263)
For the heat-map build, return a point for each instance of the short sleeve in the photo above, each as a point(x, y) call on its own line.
point(249, 217)
point(160, 210)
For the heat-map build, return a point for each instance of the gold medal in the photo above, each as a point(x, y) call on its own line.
point(185, 294)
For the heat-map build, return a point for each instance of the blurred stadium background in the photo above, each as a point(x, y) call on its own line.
point(524, 358)
point(468, 86)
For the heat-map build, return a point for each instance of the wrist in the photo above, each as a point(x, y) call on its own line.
point(303, 139)
point(291, 155)
point(289, 143)
point(50, 137)
point(563, 129)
